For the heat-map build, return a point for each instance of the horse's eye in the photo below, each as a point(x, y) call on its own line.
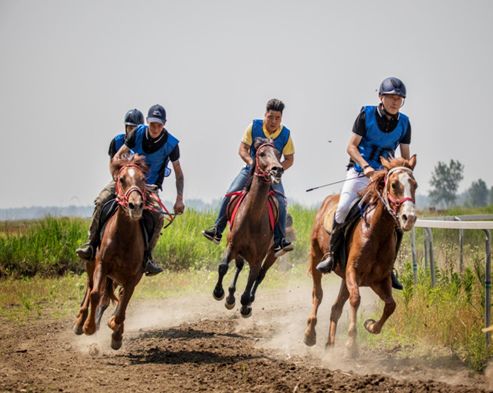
point(394, 186)
point(262, 154)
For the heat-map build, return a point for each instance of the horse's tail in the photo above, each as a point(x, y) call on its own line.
point(110, 290)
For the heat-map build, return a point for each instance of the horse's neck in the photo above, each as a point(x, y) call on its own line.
point(124, 228)
point(256, 200)
point(381, 220)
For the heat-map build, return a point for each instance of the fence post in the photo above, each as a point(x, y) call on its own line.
point(413, 251)
point(461, 247)
point(430, 250)
point(487, 284)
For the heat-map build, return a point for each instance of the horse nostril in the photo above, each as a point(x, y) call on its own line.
point(404, 217)
point(131, 206)
point(141, 205)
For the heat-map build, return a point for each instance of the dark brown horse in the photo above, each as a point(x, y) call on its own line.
point(119, 259)
point(371, 248)
point(251, 236)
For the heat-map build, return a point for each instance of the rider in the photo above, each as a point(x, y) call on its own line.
point(159, 147)
point(270, 127)
point(377, 131)
point(132, 119)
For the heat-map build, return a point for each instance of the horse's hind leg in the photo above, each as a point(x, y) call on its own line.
point(335, 313)
point(84, 305)
point(230, 300)
point(384, 290)
point(269, 261)
point(218, 292)
point(116, 322)
point(246, 310)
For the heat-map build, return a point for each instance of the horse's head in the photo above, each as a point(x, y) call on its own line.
point(130, 184)
point(267, 164)
point(400, 189)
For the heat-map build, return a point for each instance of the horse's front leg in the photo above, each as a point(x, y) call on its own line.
point(222, 269)
point(246, 310)
point(310, 336)
point(269, 261)
point(230, 300)
point(335, 313)
point(116, 321)
point(105, 301)
point(95, 294)
point(384, 291)
point(354, 301)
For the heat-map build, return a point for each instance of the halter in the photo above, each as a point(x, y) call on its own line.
point(264, 175)
point(122, 198)
point(393, 204)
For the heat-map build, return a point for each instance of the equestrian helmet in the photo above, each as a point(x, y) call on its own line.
point(134, 117)
point(392, 85)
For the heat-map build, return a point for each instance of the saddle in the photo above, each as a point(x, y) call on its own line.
point(146, 222)
point(356, 212)
point(237, 198)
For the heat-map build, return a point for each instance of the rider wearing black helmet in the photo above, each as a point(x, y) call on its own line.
point(133, 118)
point(377, 132)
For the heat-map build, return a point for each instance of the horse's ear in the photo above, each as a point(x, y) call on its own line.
point(412, 161)
point(385, 162)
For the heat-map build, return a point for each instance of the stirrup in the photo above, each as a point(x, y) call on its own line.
point(86, 251)
point(327, 264)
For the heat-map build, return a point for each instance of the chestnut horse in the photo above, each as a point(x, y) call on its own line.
point(371, 248)
point(251, 237)
point(119, 259)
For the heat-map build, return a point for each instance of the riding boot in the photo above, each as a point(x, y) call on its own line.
point(150, 267)
point(395, 281)
point(88, 250)
point(336, 237)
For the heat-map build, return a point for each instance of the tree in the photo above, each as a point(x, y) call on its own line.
point(477, 194)
point(491, 196)
point(445, 181)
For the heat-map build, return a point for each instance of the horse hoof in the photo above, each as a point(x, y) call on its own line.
point(78, 329)
point(218, 294)
point(116, 344)
point(310, 339)
point(89, 330)
point(369, 323)
point(246, 312)
point(230, 303)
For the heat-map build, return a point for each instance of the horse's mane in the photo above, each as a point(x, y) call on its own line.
point(370, 193)
point(135, 160)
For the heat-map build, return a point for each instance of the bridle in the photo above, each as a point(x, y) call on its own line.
point(122, 197)
point(392, 204)
point(263, 175)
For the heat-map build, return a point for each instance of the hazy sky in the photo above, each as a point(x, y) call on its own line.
point(69, 70)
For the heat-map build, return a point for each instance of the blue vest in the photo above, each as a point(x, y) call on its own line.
point(258, 132)
point(157, 160)
point(376, 143)
point(119, 141)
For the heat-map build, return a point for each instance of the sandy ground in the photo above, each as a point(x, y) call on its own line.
point(194, 344)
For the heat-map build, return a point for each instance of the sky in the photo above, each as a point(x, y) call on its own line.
point(70, 69)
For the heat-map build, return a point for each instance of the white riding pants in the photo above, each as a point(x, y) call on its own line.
point(349, 193)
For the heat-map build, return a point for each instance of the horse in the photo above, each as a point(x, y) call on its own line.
point(119, 259)
point(251, 235)
point(371, 248)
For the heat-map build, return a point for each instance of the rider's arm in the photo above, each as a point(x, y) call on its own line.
point(352, 150)
point(405, 151)
point(288, 161)
point(180, 182)
point(244, 152)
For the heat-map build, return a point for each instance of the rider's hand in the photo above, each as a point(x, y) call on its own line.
point(179, 206)
point(368, 171)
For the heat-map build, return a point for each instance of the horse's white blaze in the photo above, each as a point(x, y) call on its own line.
point(408, 208)
point(131, 172)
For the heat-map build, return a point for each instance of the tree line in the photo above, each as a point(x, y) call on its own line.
point(445, 182)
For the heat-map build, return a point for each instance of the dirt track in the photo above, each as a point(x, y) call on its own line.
point(197, 345)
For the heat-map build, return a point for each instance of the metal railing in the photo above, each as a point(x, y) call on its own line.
point(460, 223)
